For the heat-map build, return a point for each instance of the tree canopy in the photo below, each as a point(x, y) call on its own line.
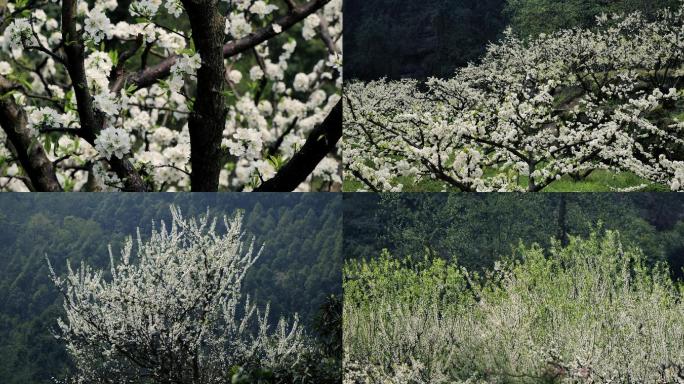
point(534, 111)
point(394, 39)
point(478, 229)
point(408, 39)
point(532, 17)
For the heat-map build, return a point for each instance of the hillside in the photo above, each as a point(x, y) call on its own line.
point(400, 39)
point(419, 39)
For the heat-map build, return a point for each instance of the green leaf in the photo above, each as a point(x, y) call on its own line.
point(132, 88)
point(276, 161)
point(114, 55)
point(48, 143)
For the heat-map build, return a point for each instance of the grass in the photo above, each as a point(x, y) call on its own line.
point(598, 181)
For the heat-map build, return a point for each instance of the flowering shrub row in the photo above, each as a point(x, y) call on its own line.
point(590, 312)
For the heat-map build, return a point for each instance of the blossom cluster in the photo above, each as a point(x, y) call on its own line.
point(275, 93)
point(590, 312)
point(531, 112)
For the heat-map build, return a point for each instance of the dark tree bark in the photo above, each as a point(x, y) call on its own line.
point(321, 141)
point(31, 155)
point(207, 120)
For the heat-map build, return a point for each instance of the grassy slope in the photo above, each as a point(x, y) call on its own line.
point(598, 181)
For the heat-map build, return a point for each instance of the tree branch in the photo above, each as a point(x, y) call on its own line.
point(321, 141)
point(150, 75)
point(325, 35)
point(273, 148)
point(31, 155)
point(91, 124)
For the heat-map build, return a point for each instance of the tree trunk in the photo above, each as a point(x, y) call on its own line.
point(207, 120)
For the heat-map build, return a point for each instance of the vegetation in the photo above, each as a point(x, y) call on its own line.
point(532, 17)
point(590, 311)
point(111, 96)
point(479, 229)
point(297, 272)
point(532, 112)
point(404, 38)
point(556, 96)
point(597, 181)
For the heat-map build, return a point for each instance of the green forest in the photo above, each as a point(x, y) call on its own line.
point(298, 271)
point(479, 229)
point(404, 38)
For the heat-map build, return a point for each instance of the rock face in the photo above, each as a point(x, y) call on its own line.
point(418, 39)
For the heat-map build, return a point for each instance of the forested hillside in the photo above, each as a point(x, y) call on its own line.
point(298, 270)
point(409, 39)
point(479, 229)
point(531, 17)
point(405, 38)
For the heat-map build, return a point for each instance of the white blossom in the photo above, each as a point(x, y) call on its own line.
point(113, 142)
point(97, 25)
point(176, 293)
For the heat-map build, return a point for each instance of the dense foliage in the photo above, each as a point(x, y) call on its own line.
point(297, 271)
point(592, 311)
point(532, 17)
point(480, 228)
point(405, 38)
point(533, 112)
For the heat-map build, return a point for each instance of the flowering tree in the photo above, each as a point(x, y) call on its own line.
point(531, 112)
point(172, 312)
point(150, 95)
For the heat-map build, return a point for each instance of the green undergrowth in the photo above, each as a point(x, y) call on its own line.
point(597, 181)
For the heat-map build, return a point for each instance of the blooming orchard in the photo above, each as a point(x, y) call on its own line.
point(173, 311)
point(174, 95)
point(531, 112)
